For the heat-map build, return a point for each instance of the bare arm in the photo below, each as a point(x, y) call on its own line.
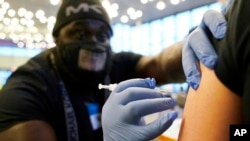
point(210, 110)
point(165, 67)
point(29, 131)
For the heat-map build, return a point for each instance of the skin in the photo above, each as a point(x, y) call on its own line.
point(210, 110)
point(90, 31)
point(165, 67)
point(34, 130)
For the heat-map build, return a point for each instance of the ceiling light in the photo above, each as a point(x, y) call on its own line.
point(20, 44)
point(6, 21)
point(23, 21)
point(48, 38)
point(38, 37)
point(139, 13)
point(112, 9)
point(133, 17)
point(14, 22)
point(174, 2)
point(43, 19)
point(105, 3)
point(20, 28)
point(113, 14)
point(115, 6)
point(21, 12)
point(50, 26)
point(28, 15)
point(2, 11)
point(30, 23)
point(124, 19)
point(5, 5)
point(54, 2)
point(144, 1)
point(11, 12)
point(160, 5)
point(39, 13)
point(33, 30)
point(2, 36)
point(51, 20)
point(13, 36)
point(131, 11)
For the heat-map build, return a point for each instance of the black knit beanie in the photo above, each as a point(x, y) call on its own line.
point(79, 9)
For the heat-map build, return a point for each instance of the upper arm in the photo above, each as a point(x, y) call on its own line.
point(165, 67)
point(34, 130)
point(210, 110)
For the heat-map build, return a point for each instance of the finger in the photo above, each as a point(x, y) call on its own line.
point(215, 22)
point(145, 107)
point(137, 93)
point(228, 5)
point(190, 65)
point(146, 83)
point(157, 127)
point(203, 48)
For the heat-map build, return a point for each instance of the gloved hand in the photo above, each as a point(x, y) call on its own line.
point(198, 46)
point(131, 100)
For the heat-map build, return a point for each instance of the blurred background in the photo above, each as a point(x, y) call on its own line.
point(141, 26)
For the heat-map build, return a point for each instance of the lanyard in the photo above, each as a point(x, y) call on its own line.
point(71, 122)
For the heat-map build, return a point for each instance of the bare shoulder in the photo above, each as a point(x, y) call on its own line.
point(210, 110)
point(34, 130)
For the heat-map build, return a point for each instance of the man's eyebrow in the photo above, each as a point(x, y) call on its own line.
point(82, 23)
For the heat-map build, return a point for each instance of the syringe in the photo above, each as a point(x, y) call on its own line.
point(111, 87)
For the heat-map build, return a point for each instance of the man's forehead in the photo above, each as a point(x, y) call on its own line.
point(89, 22)
point(93, 23)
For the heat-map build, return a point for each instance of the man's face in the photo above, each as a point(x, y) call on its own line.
point(87, 30)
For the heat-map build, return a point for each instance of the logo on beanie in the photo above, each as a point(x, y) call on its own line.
point(83, 7)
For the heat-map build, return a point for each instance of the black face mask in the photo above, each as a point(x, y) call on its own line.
point(67, 60)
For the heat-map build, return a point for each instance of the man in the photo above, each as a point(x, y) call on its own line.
point(55, 95)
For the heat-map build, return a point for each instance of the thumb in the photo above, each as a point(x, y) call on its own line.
point(215, 22)
point(160, 125)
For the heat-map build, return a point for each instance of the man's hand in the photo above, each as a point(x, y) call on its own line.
point(123, 112)
point(198, 46)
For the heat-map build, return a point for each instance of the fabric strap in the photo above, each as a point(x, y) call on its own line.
point(71, 122)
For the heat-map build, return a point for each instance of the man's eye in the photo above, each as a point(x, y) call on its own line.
point(82, 35)
point(102, 38)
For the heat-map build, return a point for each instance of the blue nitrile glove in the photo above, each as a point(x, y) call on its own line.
point(198, 46)
point(131, 100)
point(227, 6)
